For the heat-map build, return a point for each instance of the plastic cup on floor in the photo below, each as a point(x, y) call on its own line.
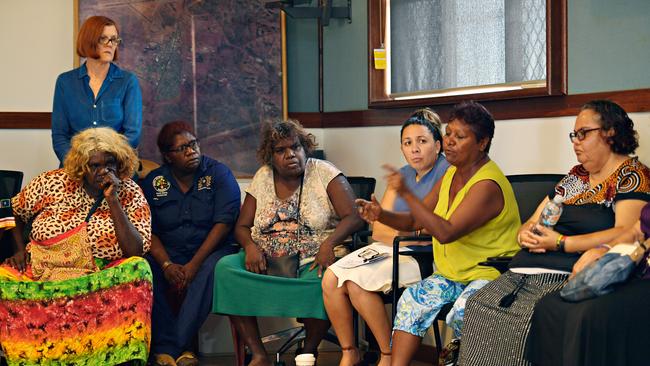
point(305, 359)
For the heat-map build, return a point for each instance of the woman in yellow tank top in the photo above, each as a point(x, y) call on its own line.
point(471, 214)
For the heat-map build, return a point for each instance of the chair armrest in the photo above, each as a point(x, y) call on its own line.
point(395, 285)
point(500, 263)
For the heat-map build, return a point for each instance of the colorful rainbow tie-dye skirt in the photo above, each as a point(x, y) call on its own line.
point(99, 319)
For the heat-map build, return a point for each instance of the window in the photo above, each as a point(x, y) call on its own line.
point(441, 51)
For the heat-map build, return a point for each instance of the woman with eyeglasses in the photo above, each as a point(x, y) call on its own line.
point(359, 287)
point(99, 93)
point(194, 203)
point(603, 195)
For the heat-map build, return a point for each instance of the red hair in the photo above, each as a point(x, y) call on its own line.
point(89, 34)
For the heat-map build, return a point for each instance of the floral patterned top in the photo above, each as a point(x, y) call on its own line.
point(281, 227)
point(58, 204)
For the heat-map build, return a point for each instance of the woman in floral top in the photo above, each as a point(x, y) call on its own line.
point(293, 205)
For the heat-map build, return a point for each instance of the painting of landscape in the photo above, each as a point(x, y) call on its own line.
point(215, 64)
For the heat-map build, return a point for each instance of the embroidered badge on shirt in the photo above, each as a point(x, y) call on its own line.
point(161, 185)
point(204, 182)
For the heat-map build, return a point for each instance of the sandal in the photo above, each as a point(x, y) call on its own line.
point(187, 358)
point(449, 355)
point(163, 359)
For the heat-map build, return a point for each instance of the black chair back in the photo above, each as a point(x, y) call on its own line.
point(10, 183)
point(531, 189)
point(363, 187)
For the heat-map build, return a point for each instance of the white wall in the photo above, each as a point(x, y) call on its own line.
point(36, 43)
point(523, 146)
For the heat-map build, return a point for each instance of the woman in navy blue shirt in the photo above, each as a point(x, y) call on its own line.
point(194, 203)
point(98, 93)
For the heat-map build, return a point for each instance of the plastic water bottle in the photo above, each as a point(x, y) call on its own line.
point(551, 212)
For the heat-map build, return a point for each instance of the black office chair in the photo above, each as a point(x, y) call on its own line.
point(530, 190)
point(363, 187)
point(10, 184)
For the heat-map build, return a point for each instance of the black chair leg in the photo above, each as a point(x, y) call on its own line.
point(438, 339)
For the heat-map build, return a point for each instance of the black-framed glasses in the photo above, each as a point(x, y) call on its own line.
point(194, 145)
point(115, 41)
point(581, 134)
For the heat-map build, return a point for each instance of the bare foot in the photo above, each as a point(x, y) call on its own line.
point(349, 356)
point(260, 360)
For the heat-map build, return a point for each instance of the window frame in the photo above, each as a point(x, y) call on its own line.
point(556, 64)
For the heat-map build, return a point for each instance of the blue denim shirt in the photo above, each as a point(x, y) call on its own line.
point(182, 221)
point(118, 105)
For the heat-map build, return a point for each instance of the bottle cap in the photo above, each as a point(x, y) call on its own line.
point(558, 198)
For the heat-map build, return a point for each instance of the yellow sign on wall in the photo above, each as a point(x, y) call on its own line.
point(380, 58)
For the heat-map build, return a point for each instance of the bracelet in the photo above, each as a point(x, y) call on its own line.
point(166, 265)
point(559, 243)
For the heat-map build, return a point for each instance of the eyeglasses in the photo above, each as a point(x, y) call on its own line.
point(370, 255)
point(115, 41)
point(194, 145)
point(581, 134)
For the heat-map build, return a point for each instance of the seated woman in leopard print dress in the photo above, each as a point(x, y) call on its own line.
point(79, 293)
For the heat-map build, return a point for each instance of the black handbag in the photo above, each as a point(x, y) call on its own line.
point(284, 266)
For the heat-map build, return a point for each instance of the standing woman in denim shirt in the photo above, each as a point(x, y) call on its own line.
point(98, 93)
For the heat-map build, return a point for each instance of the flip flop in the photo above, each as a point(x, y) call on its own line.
point(187, 359)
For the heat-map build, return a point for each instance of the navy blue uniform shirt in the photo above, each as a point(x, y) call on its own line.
point(182, 221)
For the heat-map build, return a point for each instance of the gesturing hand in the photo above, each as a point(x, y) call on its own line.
point(255, 261)
point(369, 210)
point(394, 179)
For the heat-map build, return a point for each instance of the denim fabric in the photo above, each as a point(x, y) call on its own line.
point(118, 105)
point(599, 278)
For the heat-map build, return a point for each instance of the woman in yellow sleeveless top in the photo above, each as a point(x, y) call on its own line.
point(471, 214)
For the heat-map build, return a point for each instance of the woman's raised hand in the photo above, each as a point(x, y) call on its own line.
point(255, 261)
point(369, 210)
point(394, 179)
point(111, 184)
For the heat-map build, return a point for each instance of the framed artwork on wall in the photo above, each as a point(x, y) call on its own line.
point(217, 64)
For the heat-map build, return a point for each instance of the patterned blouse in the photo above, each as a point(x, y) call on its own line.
point(631, 179)
point(58, 204)
point(281, 227)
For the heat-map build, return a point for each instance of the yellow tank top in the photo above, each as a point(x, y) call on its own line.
point(458, 260)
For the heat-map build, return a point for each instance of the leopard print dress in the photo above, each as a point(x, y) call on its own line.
point(56, 204)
